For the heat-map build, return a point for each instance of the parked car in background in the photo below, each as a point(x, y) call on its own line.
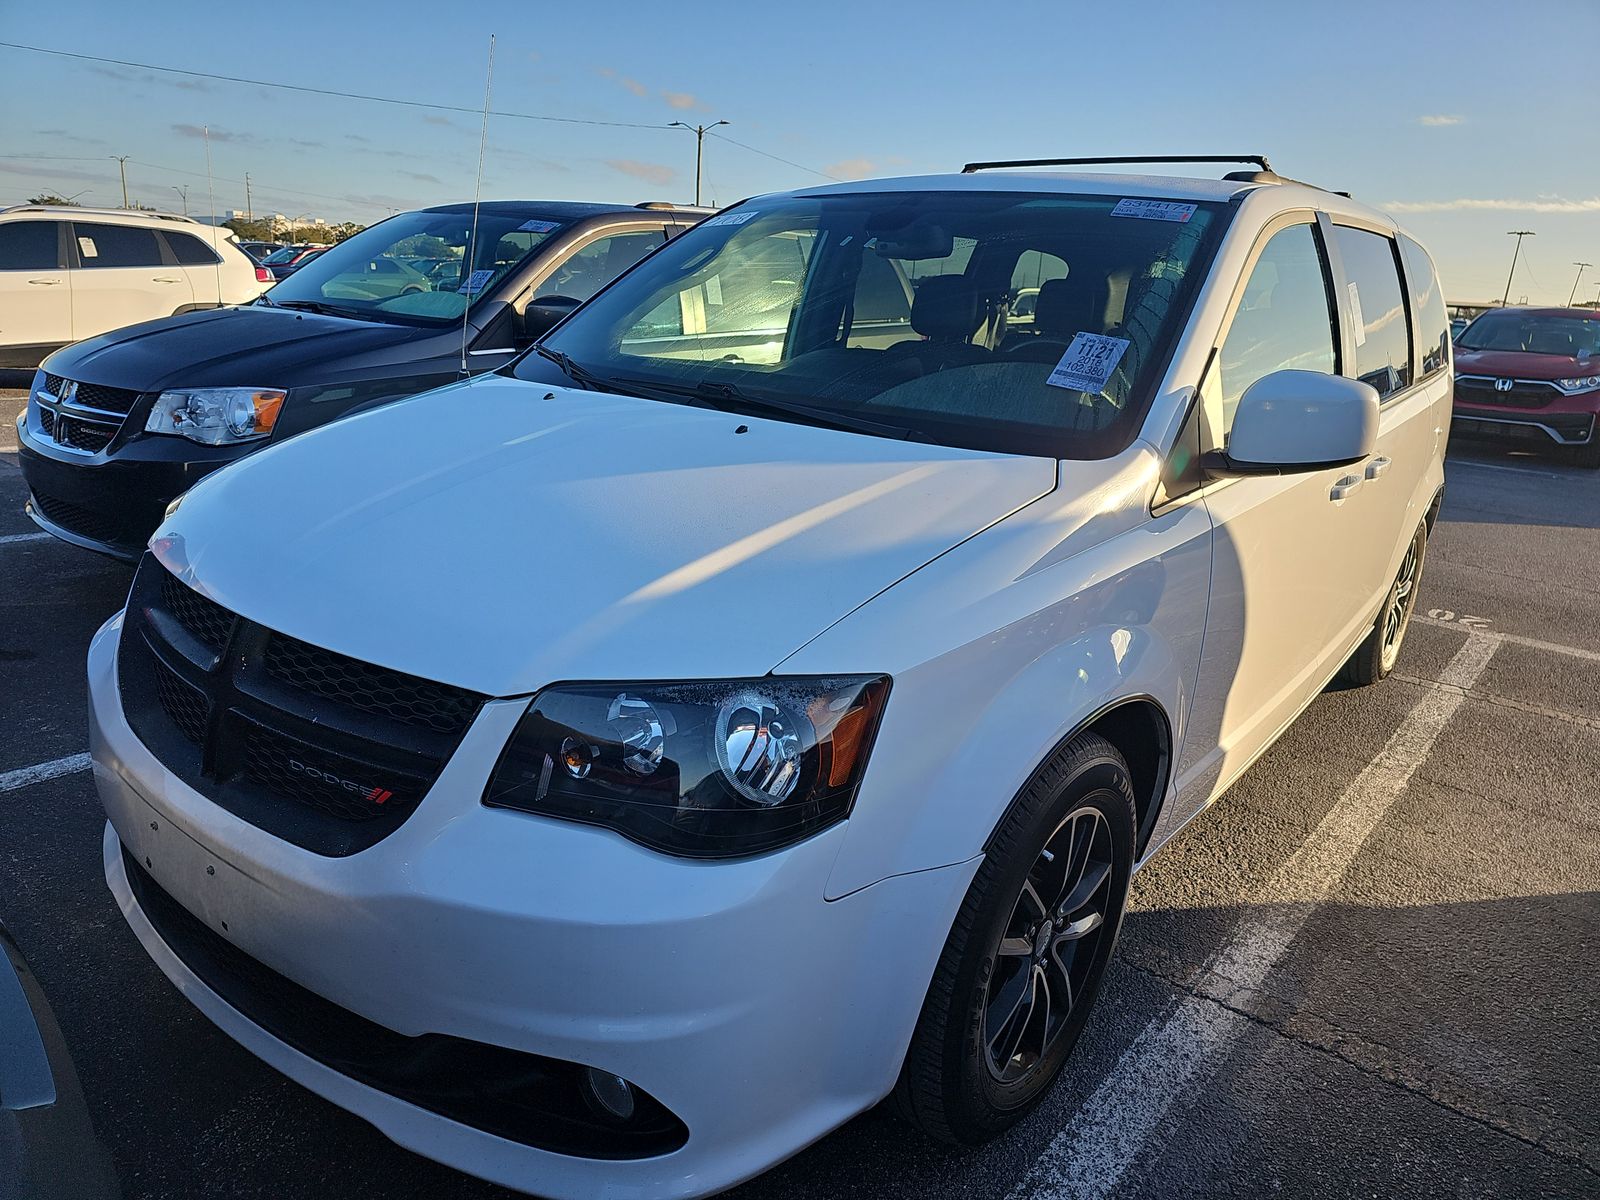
point(755, 701)
point(48, 1147)
point(70, 273)
point(287, 260)
point(1531, 376)
point(118, 426)
point(260, 250)
point(1457, 324)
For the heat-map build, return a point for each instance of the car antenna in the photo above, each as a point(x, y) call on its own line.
point(477, 193)
point(211, 203)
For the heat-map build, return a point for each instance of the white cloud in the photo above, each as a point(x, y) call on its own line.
point(681, 100)
point(1549, 204)
point(1440, 119)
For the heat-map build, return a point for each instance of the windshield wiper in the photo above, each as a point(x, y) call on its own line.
point(581, 376)
point(317, 306)
point(726, 398)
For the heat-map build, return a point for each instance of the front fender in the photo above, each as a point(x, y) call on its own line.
point(988, 679)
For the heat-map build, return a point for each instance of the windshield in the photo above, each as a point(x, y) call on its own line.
point(1533, 333)
point(1033, 323)
point(282, 255)
point(416, 267)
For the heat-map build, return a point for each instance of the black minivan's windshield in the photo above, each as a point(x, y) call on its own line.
point(1016, 321)
point(1534, 333)
point(415, 267)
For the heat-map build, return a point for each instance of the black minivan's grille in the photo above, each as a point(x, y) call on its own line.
point(94, 395)
point(323, 750)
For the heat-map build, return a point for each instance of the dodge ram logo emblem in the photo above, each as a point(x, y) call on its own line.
point(1503, 385)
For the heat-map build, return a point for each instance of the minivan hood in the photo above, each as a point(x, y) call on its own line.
point(249, 346)
point(500, 535)
point(1516, 364)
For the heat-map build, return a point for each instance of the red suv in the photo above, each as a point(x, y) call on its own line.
point(1532, 374)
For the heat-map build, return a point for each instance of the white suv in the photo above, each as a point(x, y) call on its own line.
point(611, 774)
point(70, 273)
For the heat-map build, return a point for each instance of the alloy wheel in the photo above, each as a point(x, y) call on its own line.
point(1398, 613)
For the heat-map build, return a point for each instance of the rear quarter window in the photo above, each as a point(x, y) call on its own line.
point(190, 251)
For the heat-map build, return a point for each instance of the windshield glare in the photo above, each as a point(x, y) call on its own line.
point(1529, 333)
point(416, 267)
point(1034, 323)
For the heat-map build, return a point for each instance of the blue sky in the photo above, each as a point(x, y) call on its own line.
point(1465, 119)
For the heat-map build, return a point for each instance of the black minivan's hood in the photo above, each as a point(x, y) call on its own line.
point(250, 346)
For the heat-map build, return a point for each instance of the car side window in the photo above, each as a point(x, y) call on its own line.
point(1377, 308)
point(29, 246)
point(190, 251)
point(116, 246)
point(1283, 322)
point(597, 264)
point(1427, 307)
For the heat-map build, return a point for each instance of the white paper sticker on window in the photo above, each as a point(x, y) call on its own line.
point(733, 218)
point(714, 290)
point(1154, 210)
point(86, 247)
point(476, 281)
point(1355, 311)
point(1088, 363)
point(538, 226)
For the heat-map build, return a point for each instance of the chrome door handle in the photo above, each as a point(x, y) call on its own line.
point(164, 279)
point(44, 282)
point(1345, 488)
point(1377, 467)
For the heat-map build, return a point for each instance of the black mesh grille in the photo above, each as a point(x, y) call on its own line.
point(201, 616)
point(370, 688)
point(1522, 395)
point(94, 395)
point(185, 707)
point(83, 435)
point(74, 519)
point(47, 422)
point(322, 750)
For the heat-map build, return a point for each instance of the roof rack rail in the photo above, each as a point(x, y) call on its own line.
point(1259, 159)
point(668, 204)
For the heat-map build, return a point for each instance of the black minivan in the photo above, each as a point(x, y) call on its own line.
point(119, 425)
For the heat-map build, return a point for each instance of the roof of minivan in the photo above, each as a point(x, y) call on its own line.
point(1289, 193)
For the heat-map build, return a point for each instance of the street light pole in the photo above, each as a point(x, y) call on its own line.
point(699, 132)
point(1519, 234)
point(183, 194)
point(122, 166)
point(1573, 293)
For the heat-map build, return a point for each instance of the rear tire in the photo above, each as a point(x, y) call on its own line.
point(1375, 658)
point(1028, 950)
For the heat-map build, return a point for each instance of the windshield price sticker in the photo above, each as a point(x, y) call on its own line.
point(537, 226)
point(1154, 210)
point(1088, 363)
point(476, 281)
point(733, 218)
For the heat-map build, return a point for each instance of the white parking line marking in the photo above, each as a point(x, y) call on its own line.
point(1483, 466)
point(39, 772)
point(1516, 639)
point(23, 537)
point(1089, 1157)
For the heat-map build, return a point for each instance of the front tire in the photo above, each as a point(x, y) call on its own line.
point(1375, 658)
point(1028, 950)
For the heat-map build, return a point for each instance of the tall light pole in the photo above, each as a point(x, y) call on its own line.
point(183, 194)
point(699, 132)
point(122, 166)
point(1519, 234)
point(249, 213)
point(1573, 293)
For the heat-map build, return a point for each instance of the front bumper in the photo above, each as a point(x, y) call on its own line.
point(1565, 424)
point(111, 501)
point(756, 1011)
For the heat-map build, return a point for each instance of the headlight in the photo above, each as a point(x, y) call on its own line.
point(1581, 384)
point(701, 770)
point(216, 416)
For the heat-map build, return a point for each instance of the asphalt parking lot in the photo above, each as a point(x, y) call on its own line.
point(1370, 970)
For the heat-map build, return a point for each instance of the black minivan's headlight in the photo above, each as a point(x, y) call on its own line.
point(701, 770)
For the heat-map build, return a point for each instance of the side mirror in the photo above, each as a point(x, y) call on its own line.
point(542, 315)
point(1292, 421)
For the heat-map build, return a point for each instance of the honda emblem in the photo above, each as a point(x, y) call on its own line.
point(1503, 385)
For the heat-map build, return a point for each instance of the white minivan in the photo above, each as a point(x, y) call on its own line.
point(69, 273)
point(610, 774)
